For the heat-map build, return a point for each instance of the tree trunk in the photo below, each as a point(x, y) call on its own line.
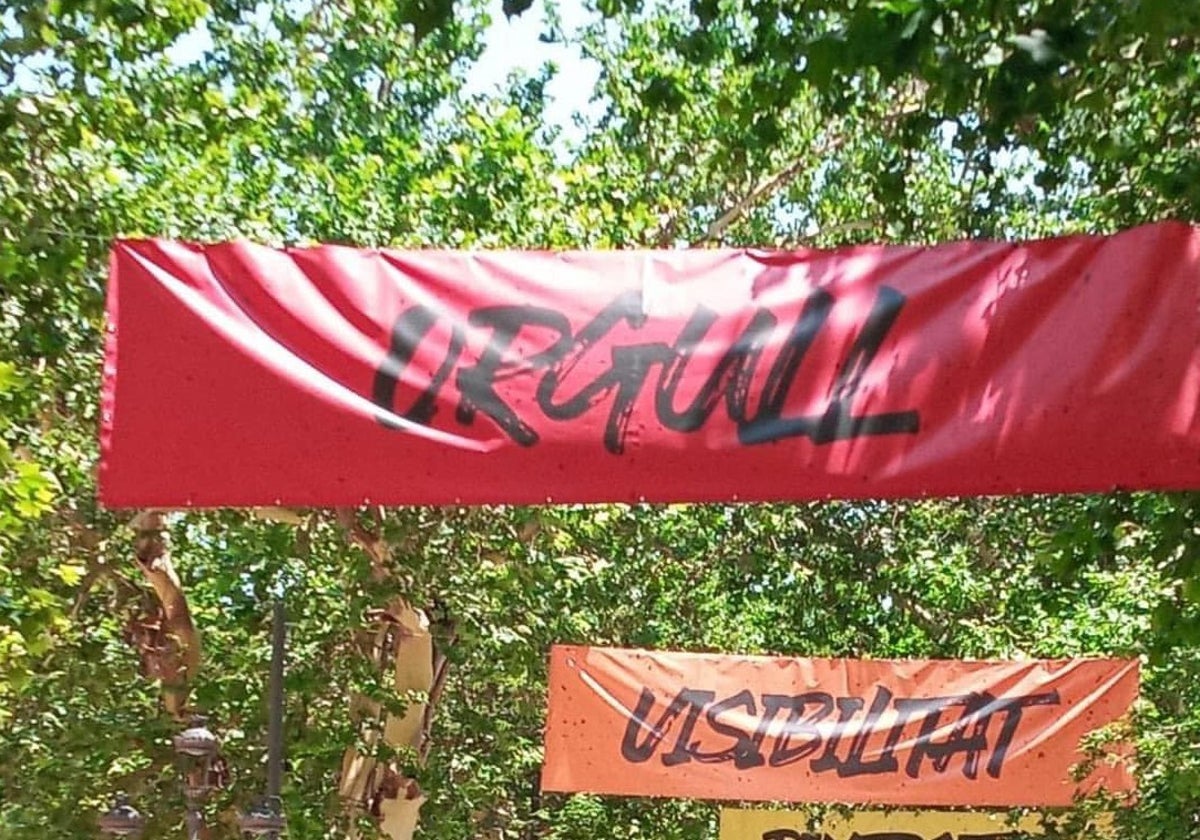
point(167, 639)
point(403, 643)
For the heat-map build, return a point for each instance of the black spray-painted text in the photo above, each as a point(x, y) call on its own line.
point(759, 417)
point(841, 735)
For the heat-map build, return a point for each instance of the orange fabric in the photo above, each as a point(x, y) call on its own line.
point(914, 732)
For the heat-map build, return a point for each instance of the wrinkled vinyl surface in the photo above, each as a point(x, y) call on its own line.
point(912, 732)
point(238, 374)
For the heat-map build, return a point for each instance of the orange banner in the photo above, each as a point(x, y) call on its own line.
point(751, 728)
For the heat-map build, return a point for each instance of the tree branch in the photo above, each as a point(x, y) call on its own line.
point(785, 176)
point(369, 540)
point(938, 631)
point(441, 670)
point(171, 649)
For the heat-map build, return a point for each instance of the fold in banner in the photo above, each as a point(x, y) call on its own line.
point(241, 375)
point(933, 733)
point(749, 824)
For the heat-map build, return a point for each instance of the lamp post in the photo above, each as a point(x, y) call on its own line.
point(199, 745)
point(265, 818)
point(123, 820)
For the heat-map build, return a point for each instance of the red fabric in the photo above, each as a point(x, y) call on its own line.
point(242, 375)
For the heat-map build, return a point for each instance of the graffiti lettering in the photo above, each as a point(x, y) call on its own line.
point(758, 414)
point(976, 728)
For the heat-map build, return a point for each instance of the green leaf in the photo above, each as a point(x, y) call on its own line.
point(70, 573)
point(426, 16)
point(10, 379)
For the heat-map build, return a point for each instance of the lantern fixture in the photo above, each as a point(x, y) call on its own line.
point(123, 820)
point(196, 741)
point(264, 818)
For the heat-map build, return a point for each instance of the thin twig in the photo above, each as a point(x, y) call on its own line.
point(371, 542)
point(782, 178)
point(831, 230)
point(441, 671)
point(70, 234)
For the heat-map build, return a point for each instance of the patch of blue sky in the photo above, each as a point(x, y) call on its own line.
point(515, 46)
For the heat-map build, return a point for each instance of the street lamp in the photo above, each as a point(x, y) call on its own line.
point(123, 820)
point(199, 746)
point(264, 818)
point(197, 741)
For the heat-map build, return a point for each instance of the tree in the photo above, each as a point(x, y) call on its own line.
point(348, 123)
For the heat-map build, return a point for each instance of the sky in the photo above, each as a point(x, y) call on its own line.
point(511, 45)
point(515, 45)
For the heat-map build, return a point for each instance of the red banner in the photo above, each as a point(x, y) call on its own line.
point(930, 733)
point(243, 375)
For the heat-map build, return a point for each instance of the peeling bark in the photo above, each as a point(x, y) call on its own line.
point(403, 643)
point(166, 637)
point(400, 641)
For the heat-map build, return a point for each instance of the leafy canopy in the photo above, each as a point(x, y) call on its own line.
point(752, 123)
